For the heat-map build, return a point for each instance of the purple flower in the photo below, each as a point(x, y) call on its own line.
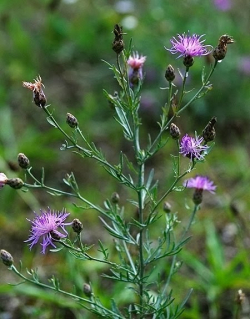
point(187, 45)
point(45, 227)
point(3, 179)
point(136, 63)
point(191, 147)
point(200, 183)
point(223, 5)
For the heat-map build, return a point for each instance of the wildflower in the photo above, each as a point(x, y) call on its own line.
point(45, 227)
point(223, 5)
point(3, 179)
point(200, 183)
point(37, 89)
point(191, 147)
point(136, 63)
point(187, 45)
point(6, 257)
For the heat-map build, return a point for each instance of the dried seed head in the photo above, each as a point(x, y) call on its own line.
point(174, 131)
point(23, 161)
point(71, 120)
point(77, 226)
point(37, 89)
point(170, 74)
point(209, 131)
point(220, 51)
point(118, 44)
point(15, 183)
point(6, 257)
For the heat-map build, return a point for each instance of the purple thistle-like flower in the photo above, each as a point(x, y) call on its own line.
point(191, 147)
point(223, 5)
point(201, 183)
point(45, 227)
point(186, 45)
point(136, 63)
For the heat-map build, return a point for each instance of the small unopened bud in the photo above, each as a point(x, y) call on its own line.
point(240, 297)
point(197, 197)
point(77, 226)
point(209, 131)
point(167, 207)
point(188, 61)
point(118, 44)
point(23, 161)
point(71, 120)
point(174, 131)
point(6, 257)
point(15, 183)
point(115, 198)
point(169, 74)
point(87, 290)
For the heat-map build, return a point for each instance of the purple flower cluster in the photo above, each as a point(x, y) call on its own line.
point(192, 147)
point(186, 45)
point(45, 227)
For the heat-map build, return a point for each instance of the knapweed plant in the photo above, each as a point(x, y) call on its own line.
point(138, 251)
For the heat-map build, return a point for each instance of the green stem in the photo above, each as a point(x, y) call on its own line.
point(75, 297)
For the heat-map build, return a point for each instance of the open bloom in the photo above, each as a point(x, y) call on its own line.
point(201, 183)
point(186, 45)
point(3, 179)
point(45, 228)
point(192, 147)
point(136, 63)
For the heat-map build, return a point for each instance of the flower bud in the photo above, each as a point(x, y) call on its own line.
point(77, 226)
point(188, 61)
point(220, 51)
point(3, 179)
point(174, 131)
point(71, 120)
point(15, 183)
point(209, 131)
point(6, 257)
point(23, 161)
point(115, 198)
point(167, 207)
point(87, 290)
point(37, 89)
point(54, 235)
point(169, 74)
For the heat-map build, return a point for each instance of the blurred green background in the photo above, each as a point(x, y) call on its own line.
point(66, 42)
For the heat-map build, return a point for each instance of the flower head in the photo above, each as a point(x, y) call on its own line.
point(186, 45)
point(191, 147)
point(223, 5)
point(136, 63)
point(37, 89)
point(201, 183)
point(3, 179)
point(45, 227)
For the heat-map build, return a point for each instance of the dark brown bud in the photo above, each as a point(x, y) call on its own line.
point(6, 257)
point(167, 207)
point(71, 120)
point(170, 74)
point(115, 198)
point(15, 183)
point(220, 51)
point(77, 226)
point(118, 44)
point(54, 235)
point(188, 61)
point(174, 131)
point(87, 290)
point(37, 89)
point(209, 131)
point(23, 161)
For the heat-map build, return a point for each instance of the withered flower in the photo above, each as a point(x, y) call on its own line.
point(37, 89)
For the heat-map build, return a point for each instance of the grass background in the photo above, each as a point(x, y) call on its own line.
point(66, 42)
